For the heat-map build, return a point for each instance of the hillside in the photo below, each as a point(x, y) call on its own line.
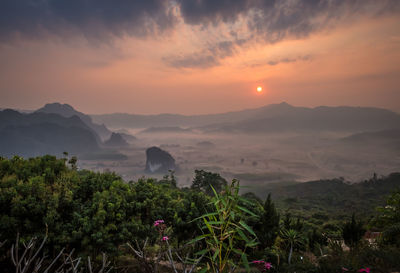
point(66, 110)
point(333, 197)
point(36, 134)
point(384, 138)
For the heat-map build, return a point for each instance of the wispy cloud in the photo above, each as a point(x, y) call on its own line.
point(102, 21)
point(208, 57)
point(271, 20)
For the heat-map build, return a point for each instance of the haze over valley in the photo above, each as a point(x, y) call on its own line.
point(278, 143)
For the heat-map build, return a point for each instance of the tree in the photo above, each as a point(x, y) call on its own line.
point(353, 232)
point(293, 239)
point(316, 239)
point(205, 180)
point(267, 227)
point(389, 219)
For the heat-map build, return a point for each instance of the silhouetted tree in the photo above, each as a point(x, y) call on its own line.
point(352, 232)
point(268, 226)
point(204, 180)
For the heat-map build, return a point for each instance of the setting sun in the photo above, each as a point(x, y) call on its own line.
point(259, 89)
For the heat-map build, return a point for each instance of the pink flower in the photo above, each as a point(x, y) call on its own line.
point(262, 264)
point(165, 238)
point(364, 270)
point(158, 222)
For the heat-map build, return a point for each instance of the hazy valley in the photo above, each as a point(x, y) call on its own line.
point(275, 143)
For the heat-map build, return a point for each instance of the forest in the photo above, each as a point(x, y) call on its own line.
point(56, 217)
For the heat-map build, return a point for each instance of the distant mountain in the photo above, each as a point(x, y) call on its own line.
point(66, 110)
point(271, 118)
point(116, 140)
point(286, 118)
point(388, 138)
point(172, 129)
point(39, 133)
point(122, 120)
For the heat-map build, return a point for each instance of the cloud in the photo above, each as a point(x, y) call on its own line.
point(205, 58)
point(275, 20)
point(270, 20)
point(288, 60)
point(232, 23)
point(213, 12)
point(94, 19)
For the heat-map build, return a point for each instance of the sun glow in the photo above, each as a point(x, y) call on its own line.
point(259, 89)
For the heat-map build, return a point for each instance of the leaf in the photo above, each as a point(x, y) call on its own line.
point(232, 215)
point(246, 210)
point(245, 261)
point(242, 235)
point(237, 251)
point(215, 254)
point(215, 222)
point(198, 238)
point(249, 229)
point(251, 244)
point(204, 216)
point(204, 270)
point(201, 252)
point(244, 200)
point(215, 193)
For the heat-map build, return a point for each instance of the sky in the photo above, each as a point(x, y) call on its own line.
point(198, 56)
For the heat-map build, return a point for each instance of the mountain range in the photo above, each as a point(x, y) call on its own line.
point(56, 127)
point(41, 133)
point(271, 118)
point(66, 110)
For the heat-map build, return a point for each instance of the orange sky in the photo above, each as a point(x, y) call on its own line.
point(190, 69)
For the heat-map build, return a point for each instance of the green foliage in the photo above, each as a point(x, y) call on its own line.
point(207, 181)
point(332, 200)
point(267, 228)
point(293, 239)
point(226, 234)
point(352, 232)
point(99, 212)
point(388, 219)
point(87, 211)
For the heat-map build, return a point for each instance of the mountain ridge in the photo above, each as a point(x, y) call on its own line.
point(283, 114)
point(67, 110)
point(41, 133)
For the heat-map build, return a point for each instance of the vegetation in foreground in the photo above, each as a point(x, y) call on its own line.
point(55, 218)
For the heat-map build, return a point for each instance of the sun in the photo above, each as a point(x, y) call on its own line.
point(259, 89)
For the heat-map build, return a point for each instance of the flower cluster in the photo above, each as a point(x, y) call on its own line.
point(161, 227)
point(262, 265)
point(158, 222)
point(366, 270)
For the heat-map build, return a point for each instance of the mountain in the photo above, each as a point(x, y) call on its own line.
point(387, 138)
point(123, 120)
point(271, 118)
point(157, 130)
point(39, 133)
point(66, 110)
point(286, 118)
point(116, 140)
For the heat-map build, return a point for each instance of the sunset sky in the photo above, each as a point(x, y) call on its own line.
point(198, 56)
